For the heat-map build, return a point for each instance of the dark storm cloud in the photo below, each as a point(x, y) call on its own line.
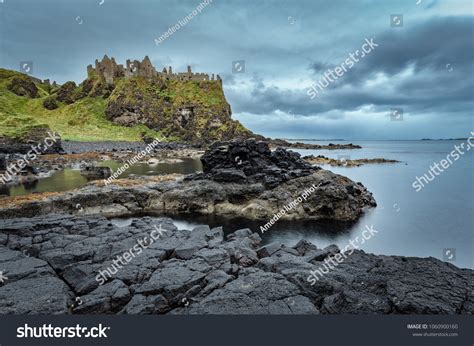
point(319, 67)
point(428, 46)
point(439, 52)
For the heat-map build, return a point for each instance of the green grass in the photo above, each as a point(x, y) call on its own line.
point(83, 120)
point(207, 93)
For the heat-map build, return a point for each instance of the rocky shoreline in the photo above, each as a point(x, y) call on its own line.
point(72, 147)
point(53, 246)
point(337, 199)
point(90, 154)
point(72, 154)
point(52, 263)
point(239, 179)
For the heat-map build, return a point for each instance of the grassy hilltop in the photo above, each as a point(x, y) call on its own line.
point(125, 110)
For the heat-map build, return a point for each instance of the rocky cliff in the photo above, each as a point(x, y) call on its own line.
point(188, 110)
point(120, 103)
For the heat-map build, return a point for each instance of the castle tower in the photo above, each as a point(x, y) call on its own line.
point(107, 67)
point(110, 70)
point(90, 70)
point(146, 68)
point(146, 61)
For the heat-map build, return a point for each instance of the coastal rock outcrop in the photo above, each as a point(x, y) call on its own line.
point(252, 161)
point(62, 264)
point(267, 182)
point(194, 111)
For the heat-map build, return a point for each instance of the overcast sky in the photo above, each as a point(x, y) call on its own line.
point(423, 67)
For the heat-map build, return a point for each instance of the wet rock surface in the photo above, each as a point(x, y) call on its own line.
point(51, 264)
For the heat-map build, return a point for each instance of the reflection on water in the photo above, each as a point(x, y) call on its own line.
point(63, 180)
point(181, 166)
point(69, 179)
point(322, 233)
point(410, 223)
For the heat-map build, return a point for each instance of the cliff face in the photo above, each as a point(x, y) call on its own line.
point(187, 110)
point(122, 103)
point(186, 105)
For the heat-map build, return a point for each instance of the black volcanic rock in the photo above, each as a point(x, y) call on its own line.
point(52, 260)
point(3, 162)
point(252, 161)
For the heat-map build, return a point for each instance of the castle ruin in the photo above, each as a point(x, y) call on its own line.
point(110, 70)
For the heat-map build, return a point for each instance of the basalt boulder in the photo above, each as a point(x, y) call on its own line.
point(252, 161)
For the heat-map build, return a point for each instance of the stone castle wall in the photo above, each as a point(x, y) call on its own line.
point(109, 69)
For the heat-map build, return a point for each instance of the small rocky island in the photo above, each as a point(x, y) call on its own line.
point(323, 160)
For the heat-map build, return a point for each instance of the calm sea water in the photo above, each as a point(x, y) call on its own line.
point(437, 219)
point(69, 179)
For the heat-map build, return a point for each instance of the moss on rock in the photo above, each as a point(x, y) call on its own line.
point(50, 103)
point(23, 86)
point(190, 110)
